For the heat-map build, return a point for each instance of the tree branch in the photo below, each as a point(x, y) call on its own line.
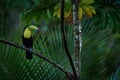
point(64, 38)
point(35, 53)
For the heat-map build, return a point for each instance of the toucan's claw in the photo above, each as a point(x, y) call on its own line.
point(23, 46)
point(30, 49)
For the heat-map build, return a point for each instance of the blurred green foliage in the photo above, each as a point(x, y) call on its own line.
point(101, 41)
point(107, 14)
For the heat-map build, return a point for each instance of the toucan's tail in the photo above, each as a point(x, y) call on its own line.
point(28, 55)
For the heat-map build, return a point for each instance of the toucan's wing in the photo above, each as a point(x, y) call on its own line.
point(27, 42)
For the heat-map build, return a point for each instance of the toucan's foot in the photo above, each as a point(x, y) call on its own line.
point(23, 46)
point(30, 49)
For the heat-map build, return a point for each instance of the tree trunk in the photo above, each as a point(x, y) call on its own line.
point(77, 37)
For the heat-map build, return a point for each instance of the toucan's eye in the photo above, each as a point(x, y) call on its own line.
point(36, 30)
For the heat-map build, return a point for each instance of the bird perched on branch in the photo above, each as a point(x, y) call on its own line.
point(27, 38)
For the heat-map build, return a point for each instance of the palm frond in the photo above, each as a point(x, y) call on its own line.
point(115, 75)
point(107, 14)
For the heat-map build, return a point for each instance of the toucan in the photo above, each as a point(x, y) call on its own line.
point(27, 38)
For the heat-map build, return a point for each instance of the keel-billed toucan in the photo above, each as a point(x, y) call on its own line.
point(27, 38)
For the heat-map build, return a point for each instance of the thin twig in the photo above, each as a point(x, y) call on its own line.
point(64, 38)
point(35, 53)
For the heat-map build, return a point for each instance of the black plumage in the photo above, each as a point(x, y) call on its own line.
point(28, 43)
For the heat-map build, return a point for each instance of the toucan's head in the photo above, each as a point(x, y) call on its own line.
point(29, 29)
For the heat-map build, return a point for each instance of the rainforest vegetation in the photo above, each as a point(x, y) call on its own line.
point(100, 52)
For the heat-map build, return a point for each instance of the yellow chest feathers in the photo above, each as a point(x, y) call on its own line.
point(27, 33)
